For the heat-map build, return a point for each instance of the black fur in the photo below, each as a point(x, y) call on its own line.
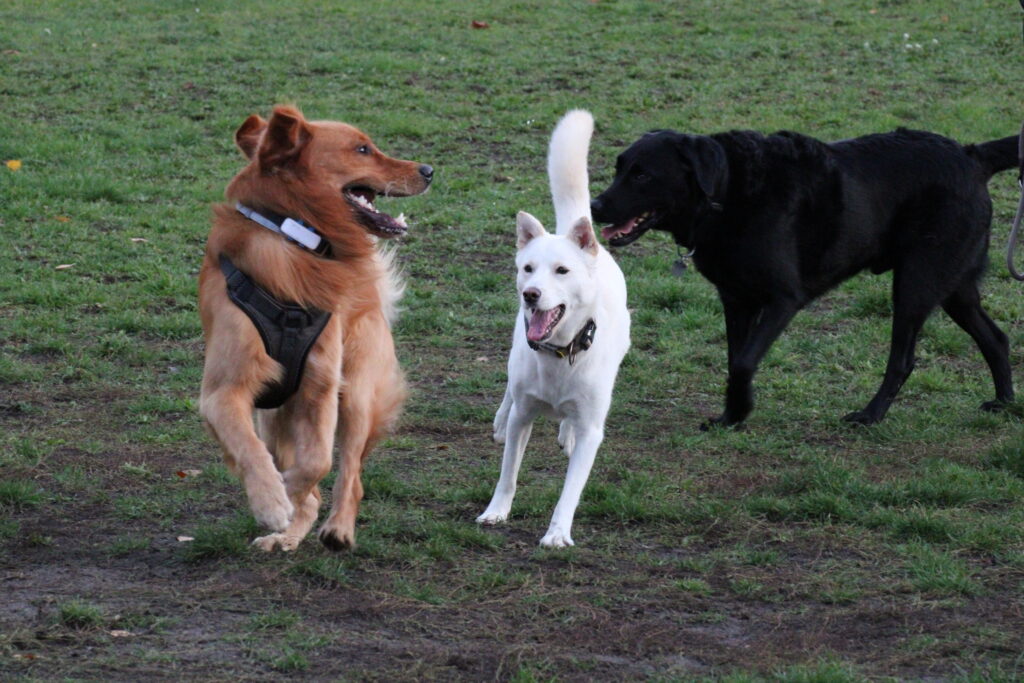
point(776, 221)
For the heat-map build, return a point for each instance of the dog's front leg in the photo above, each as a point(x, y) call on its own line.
point(305, 438)
point(520, 425)
point(764, 330)
point(228, 412)
point(588, 440)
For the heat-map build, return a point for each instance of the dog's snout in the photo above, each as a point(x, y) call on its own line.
point(596, 206)
point(427, 172)
point(531, 296)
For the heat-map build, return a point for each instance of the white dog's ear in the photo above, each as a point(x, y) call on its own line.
point(527, 227)
point(583, 234)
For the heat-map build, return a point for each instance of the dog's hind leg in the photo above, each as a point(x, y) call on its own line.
point(964, 307)
point(581, 460)
point(520, 425)
point(501, 417)
point(911, 306)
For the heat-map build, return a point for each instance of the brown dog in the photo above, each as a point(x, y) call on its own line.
point(325, 176)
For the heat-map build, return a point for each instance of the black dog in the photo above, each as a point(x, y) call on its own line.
point(776, 221)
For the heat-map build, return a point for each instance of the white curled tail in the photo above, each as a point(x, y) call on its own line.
point(567, 169)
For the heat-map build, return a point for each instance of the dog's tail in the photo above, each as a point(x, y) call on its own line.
point(996, 155)
point(567, 168)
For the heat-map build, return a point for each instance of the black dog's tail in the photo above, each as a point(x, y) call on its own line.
point(996, 155)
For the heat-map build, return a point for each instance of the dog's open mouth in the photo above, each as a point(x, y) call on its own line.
point(541, 324)
point(624, 233)
point(379, 223)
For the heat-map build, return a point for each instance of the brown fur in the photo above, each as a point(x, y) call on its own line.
point(352, 383)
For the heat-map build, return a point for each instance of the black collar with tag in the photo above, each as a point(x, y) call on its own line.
point(581, 342)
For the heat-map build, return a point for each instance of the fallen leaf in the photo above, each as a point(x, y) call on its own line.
point(14, 164)
point(11, 52)
point(139, 239)
point(64, 266)
point(480, 24)
point(188, 473)
point(118, 633)
point(62, 219)
point(442, 447)
point(185, 539)
point(481, 359)
point(26, 655)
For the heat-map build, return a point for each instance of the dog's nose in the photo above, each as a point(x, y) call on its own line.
point(531, 296)
point(427, 172)
point(596, 206)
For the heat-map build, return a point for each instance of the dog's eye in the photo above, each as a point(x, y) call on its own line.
point(528, 269)
point(641, 177)
point(363, 149)
point(561, 270)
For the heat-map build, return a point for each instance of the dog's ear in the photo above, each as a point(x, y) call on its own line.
point(527, 228)
point(287, 135)
point(583, 234)
point(247, 137)
point(707, 158)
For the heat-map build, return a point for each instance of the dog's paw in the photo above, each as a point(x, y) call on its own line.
point(555, 538)
point(269, 501)
point(273, 514)
point(860, 417)
point(271, 541)
point(996, 406)
point(335, 540)
point(491, 517)
point(723, 421)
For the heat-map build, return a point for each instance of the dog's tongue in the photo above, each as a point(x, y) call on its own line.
point(540, 321)
point(616, 230)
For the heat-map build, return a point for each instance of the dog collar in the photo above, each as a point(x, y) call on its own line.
point(297, 231)
point(581, 342)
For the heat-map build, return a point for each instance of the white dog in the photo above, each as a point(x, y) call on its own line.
point(571, 333)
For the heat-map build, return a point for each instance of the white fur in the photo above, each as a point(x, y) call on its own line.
point(578, 395)
point(391, 287)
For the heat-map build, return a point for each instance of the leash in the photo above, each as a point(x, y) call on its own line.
point(1017, 219)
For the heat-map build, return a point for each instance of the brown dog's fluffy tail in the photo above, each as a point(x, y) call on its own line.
point(996, 155)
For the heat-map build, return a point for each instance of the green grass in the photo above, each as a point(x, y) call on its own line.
point(793, 549)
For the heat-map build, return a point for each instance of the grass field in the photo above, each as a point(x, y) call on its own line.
point(796, 548)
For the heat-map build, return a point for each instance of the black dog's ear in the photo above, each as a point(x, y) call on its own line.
point(707, 158)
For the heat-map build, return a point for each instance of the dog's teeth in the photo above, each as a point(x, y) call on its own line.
point(400, 220)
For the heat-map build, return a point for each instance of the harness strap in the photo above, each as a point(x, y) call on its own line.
point(288, 331)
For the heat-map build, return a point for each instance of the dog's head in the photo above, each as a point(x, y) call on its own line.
point(660, 182)
point(331, 167)
point(555, 278)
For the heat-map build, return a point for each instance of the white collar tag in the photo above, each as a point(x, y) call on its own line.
point(301, 234)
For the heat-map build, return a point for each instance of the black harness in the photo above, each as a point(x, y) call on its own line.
point(581, 342)
point(288, 330)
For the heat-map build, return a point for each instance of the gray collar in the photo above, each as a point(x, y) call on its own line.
point(297, 231)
